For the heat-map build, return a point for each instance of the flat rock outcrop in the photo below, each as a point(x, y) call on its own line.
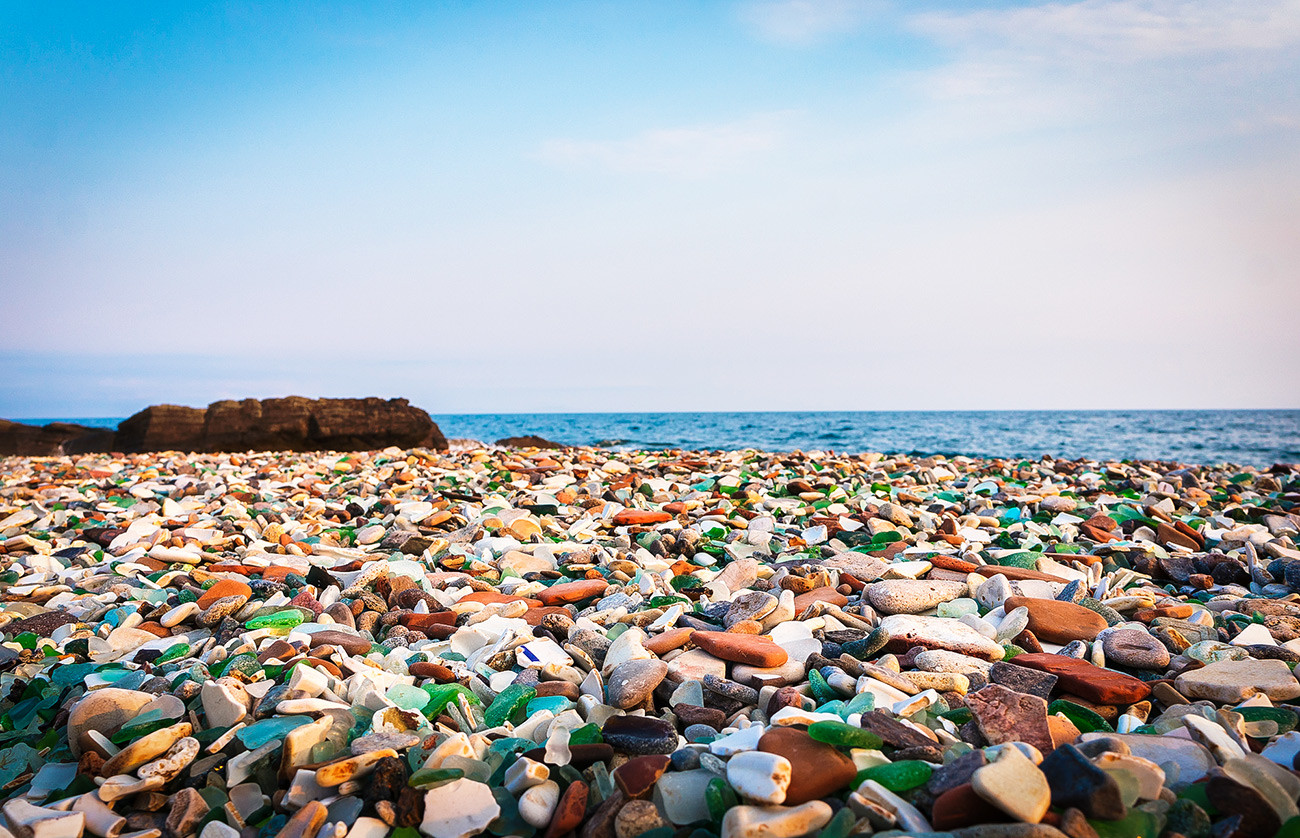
point(288, 424)
point(54, 439)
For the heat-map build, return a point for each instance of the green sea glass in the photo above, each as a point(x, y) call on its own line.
point(509, 705)
point(897, 776)
point(843, 735)
point(286, 619)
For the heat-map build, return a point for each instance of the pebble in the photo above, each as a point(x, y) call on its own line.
point(1015, 785)
point(1135, 649)
point(631, 683)
point(1231, 681)
point(775, 821)
point(303, 645)
point(759, 776)
point(912, 596)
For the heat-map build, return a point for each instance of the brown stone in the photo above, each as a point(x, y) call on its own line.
point(569, 592)
point(894, 732)
point(421, 622)
point(639, 518)
point(693, 714)
point(961, 806)
point(1098, 685)
point(351, 643)
point(187, 809)
point(429, 669)
point(568, 689)
point(1062, 730)
point(784, 697)
point(1171, 536)
point(751, 649)
point(222, 589)
point(818, 769)
point(676, 638)
point(638, 776)
point(1058, 622)
point(570, 811)
point(823, 594)
point(1017, 574)
point(1004, 715)
point(527, 441)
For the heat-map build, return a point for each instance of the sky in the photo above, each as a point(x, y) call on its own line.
point(651, 206)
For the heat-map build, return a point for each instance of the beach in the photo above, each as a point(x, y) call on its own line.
point(667, 643)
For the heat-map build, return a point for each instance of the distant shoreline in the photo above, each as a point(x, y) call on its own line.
point(1248, 437)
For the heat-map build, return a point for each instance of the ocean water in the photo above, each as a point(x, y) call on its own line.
point(1248, 437)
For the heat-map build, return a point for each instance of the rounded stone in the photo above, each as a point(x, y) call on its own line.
point(912, 596)
point(631, 683)
point(103, 711)
point(819, 769)
point(1135, 649)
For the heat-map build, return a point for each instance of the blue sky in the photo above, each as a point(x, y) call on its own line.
point(799, 204)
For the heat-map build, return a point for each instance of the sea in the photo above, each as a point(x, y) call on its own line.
point(1245, 437)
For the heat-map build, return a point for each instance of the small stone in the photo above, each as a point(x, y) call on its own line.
point(103, 711)
point(1014, 785)
point(755, 650)
point(1022, 679)
point(1077, 782)
point(1232, 681)
point(638, 776)
point(694, 664)
point(1004, 715)
point(817, 769)
point(640, 735)
point(1056, 621)
point(537, 803)
point(459, 809)
point(636, 818)
point(912, 596)
point(759, 776)
point(939, 633)
point(631, 683)
point(1135, 649)
point(775, 821)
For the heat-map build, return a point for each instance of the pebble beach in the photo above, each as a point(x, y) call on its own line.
point(673, 644)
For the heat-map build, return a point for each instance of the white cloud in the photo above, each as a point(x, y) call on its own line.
point(693, 151)
point(1163, 73)
point(1125, 30)
point(807, 22)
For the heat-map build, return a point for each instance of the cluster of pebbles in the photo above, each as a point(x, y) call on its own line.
point(673, 643)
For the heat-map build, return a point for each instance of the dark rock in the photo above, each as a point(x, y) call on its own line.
point(956, 773)
point(187, 809)
point(1078, 783)
point(289, 424)
point(894, 732)
point(1022, 680)
point(1233, 798)
point(386, 781)
point(1186, 818)
point(691, 714)
point(529, 441)
point(637, 776)
point(52, 440)
point(42, 624)
point(1004, 715)
point(640, 735)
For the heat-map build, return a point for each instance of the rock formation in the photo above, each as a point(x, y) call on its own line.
point(289, 424)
